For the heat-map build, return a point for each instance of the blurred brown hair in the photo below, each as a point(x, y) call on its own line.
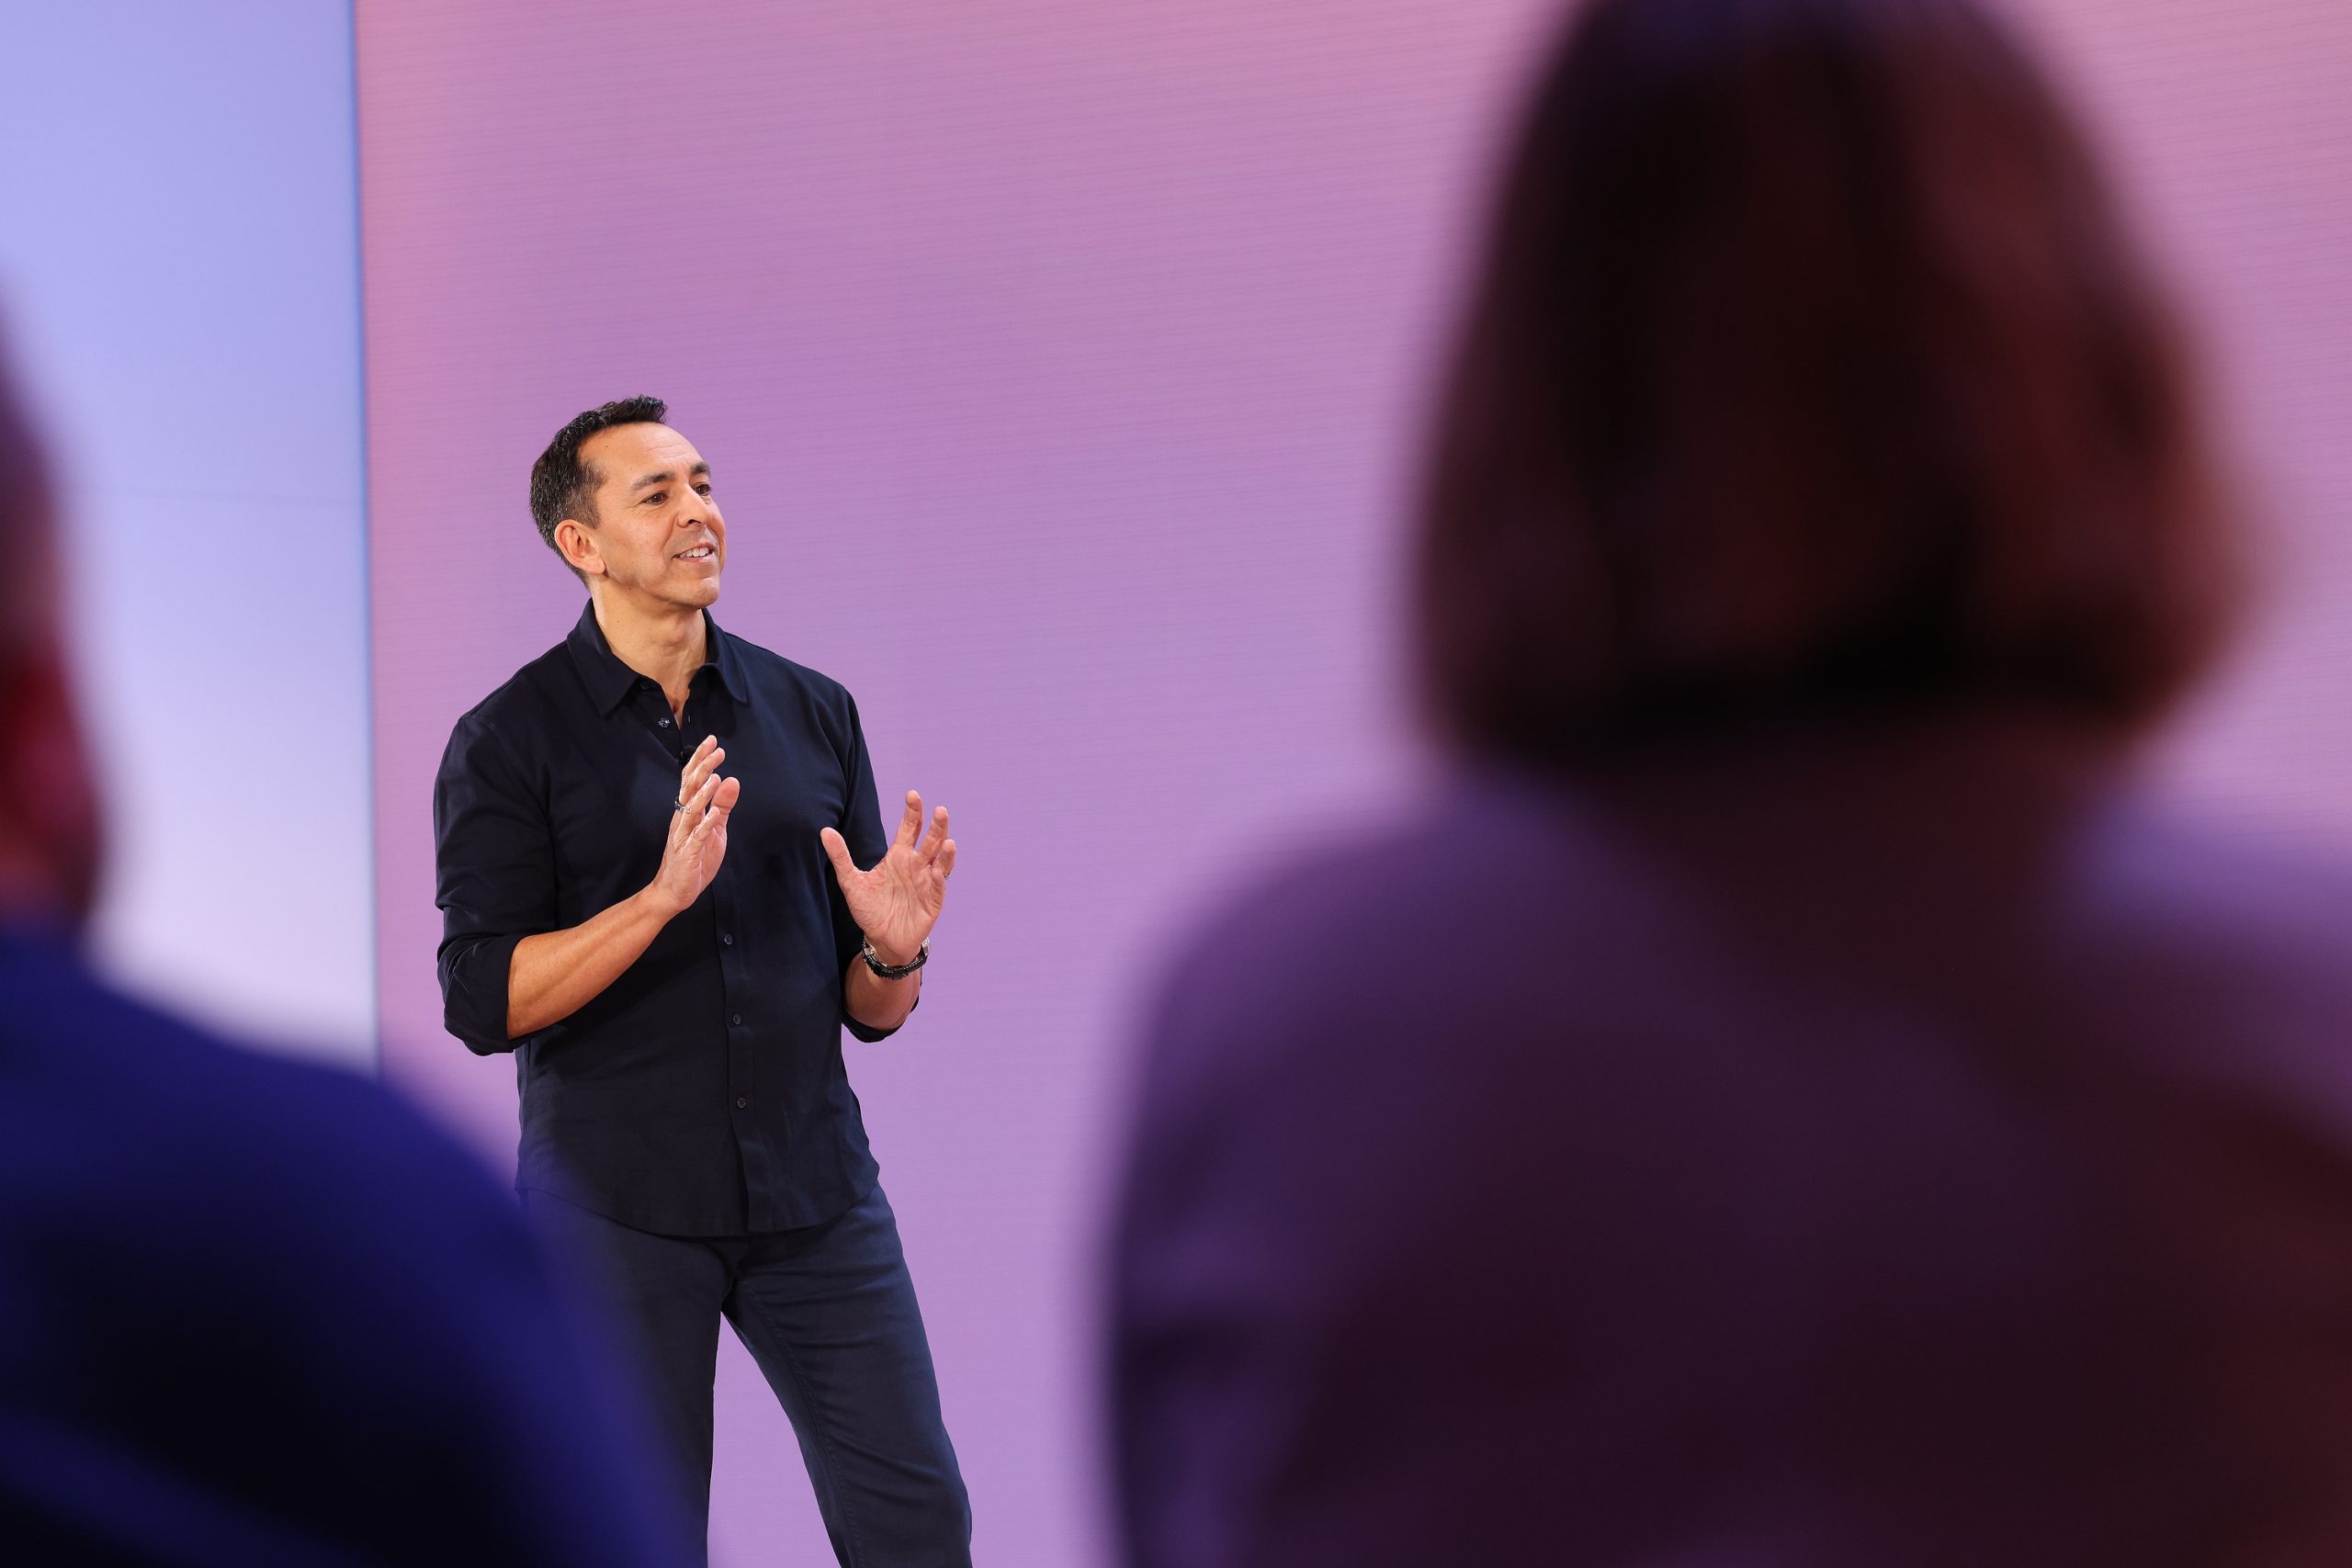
point(27, 581)
point(1807, 367)
point(52, 833)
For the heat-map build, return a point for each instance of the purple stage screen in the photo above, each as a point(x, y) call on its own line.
point(1060, 365)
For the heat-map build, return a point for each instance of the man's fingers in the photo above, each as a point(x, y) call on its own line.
point(937, 835)
point(910, 823)
point(722, 805)
point(719, 798)
point(947, 861)
point(698, 804)
point(702, 765)
point(687, 816)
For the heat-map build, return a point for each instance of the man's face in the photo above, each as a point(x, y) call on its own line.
point(657, 534)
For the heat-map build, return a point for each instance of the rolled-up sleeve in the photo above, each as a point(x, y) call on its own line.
point(861, 828)
point(494, 881)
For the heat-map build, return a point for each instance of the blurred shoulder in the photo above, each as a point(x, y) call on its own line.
point(172, 1126)
point(2149, 866)
point(1439, 872)
point(1378, 936)
point(356, 1336)
point(2233, 937)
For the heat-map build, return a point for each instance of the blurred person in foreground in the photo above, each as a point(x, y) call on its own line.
point(1791, 1099)
point(252, 1312)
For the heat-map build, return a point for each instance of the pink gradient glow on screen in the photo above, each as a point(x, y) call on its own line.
point(1060, 363)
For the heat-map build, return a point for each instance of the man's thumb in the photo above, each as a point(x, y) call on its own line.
point(836, 849)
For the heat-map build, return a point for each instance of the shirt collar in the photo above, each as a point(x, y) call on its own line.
point(721, 651)
point(610, 682)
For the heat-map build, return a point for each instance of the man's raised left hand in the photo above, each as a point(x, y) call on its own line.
point(898, 901)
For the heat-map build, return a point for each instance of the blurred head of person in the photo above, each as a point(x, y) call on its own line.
point(1807, 371)
point(50, 821)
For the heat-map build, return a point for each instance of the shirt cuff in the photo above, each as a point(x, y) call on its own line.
point(867, 1031)
point(474, 977)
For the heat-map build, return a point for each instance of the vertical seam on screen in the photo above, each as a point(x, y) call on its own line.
point(367, 560)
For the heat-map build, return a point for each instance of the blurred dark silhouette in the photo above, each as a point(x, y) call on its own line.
point(1794, 1100)
point(1808, 369)
point(252, 1312)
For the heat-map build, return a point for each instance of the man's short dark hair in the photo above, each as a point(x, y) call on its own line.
point(1807, 368)
point(561, 485)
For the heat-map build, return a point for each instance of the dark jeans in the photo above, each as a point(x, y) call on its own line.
point(828, 1313)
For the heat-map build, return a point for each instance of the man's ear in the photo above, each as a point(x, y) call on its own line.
point(577, 542)
point(51, 832)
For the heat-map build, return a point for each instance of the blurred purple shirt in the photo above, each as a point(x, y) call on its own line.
point(1822, 1150)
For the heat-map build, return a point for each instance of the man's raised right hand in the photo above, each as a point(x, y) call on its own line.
point(697, 840)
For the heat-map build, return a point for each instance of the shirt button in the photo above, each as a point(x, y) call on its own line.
point(735, 1017)
point(725, 940)
point(740, 1102)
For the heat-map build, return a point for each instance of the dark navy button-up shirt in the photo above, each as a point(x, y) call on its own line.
point(702, 1092)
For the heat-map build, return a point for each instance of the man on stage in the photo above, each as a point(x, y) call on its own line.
point(648, 844)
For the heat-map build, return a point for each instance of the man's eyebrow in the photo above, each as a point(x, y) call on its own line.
point(664, 476)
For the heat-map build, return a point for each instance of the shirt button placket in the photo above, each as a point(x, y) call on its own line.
point(738, 1049)
point(761, 1173)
